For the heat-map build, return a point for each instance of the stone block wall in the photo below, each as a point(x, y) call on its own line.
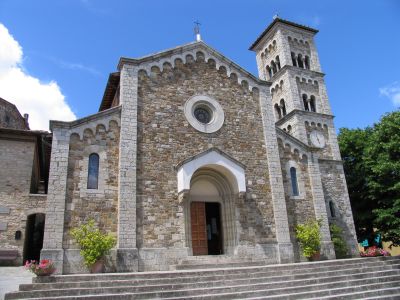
point(16, 203)
point(335, 191)
point(299, 208)
point(165, 138)
point(10, 116)
point(82, 204)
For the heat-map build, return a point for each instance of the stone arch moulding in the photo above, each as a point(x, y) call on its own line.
point(213, 159)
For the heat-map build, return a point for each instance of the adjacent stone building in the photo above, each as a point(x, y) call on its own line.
point(24, 163)
point(192, 155)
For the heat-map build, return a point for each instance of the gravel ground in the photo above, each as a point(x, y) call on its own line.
point(11, 278)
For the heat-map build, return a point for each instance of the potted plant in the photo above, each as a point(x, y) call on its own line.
point(94, 245)
point(374, 251)
point(44, 267)
point(309, 237)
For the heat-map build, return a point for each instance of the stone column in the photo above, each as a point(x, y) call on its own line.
point(285, 247)
point(327, 249)
point(55, 206)
point(127, 253)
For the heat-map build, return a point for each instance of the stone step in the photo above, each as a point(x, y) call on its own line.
point(266, 276)
point(199, 265)
point(168, 290)
point(303, 292)
point(275, 269)
point(290, 281)
point(194, 264)
point(386, 293)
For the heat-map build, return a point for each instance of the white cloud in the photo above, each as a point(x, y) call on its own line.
point(42, 101)
point(392, 91)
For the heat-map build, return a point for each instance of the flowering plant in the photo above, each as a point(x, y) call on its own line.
point(43, 267)
point(374, 251)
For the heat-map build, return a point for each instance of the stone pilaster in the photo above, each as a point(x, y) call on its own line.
point(127, 254)
point(333, 141)
point(350, 236)
point(285, 247)
point(55, 207)
point(327, 250)
point(284, 48)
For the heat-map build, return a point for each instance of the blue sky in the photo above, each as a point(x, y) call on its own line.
point(72, 45)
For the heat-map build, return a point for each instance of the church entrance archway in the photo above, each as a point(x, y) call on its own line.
point(210, 214)
point(34, 233)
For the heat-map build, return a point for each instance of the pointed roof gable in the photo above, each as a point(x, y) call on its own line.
point(169, 55)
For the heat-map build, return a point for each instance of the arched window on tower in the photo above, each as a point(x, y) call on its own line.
point(293, 179)
point(93, 171)
point(305, 103)
point(312, 104)
point(307, 62)
point(294, 59)
point(278, 113)
point(273, 66)
point(332, 209)
point(278, 62)
point(269, 71)
point(283, 107)
point(300, 61)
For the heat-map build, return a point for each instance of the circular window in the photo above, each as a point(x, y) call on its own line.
point(204, 113)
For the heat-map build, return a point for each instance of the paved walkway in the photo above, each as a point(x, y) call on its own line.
point(11, 278)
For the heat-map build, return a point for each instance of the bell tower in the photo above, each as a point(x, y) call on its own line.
point(286, 55)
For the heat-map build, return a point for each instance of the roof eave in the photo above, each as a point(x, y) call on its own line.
point(276, 21)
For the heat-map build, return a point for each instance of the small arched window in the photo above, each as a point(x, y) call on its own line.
point(278, 113)
point(307, 62)
point(273, 66)
point(332, 209)
point(305, 103)
point(294, 59)
point(283, 107)
point(278, 62)
point(93, 171)
point(293, 179)
point(312, 104)
point(269, 71)
point(300, 61)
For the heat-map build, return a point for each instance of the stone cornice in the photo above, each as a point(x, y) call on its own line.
point(294, 140)
point(169, 56)
point(303, 113)
point(298, 70)
point(85, 120)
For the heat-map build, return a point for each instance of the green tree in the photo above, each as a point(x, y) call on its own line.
point(382, 160)
point(372, 166)
point(352, 143)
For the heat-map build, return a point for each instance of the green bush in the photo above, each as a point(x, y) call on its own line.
point(94, 244)
point(309, 237)
point(338, 241)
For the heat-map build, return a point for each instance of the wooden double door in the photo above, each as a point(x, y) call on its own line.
point(206, 228)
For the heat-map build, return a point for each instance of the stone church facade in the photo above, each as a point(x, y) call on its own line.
point(192, 155)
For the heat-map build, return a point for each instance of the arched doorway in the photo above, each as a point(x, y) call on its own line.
point(34, 233)
point(210, 214)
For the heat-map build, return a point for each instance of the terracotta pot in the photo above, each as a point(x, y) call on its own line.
point(315, 257)
point(46, 272)
point(98, 266)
